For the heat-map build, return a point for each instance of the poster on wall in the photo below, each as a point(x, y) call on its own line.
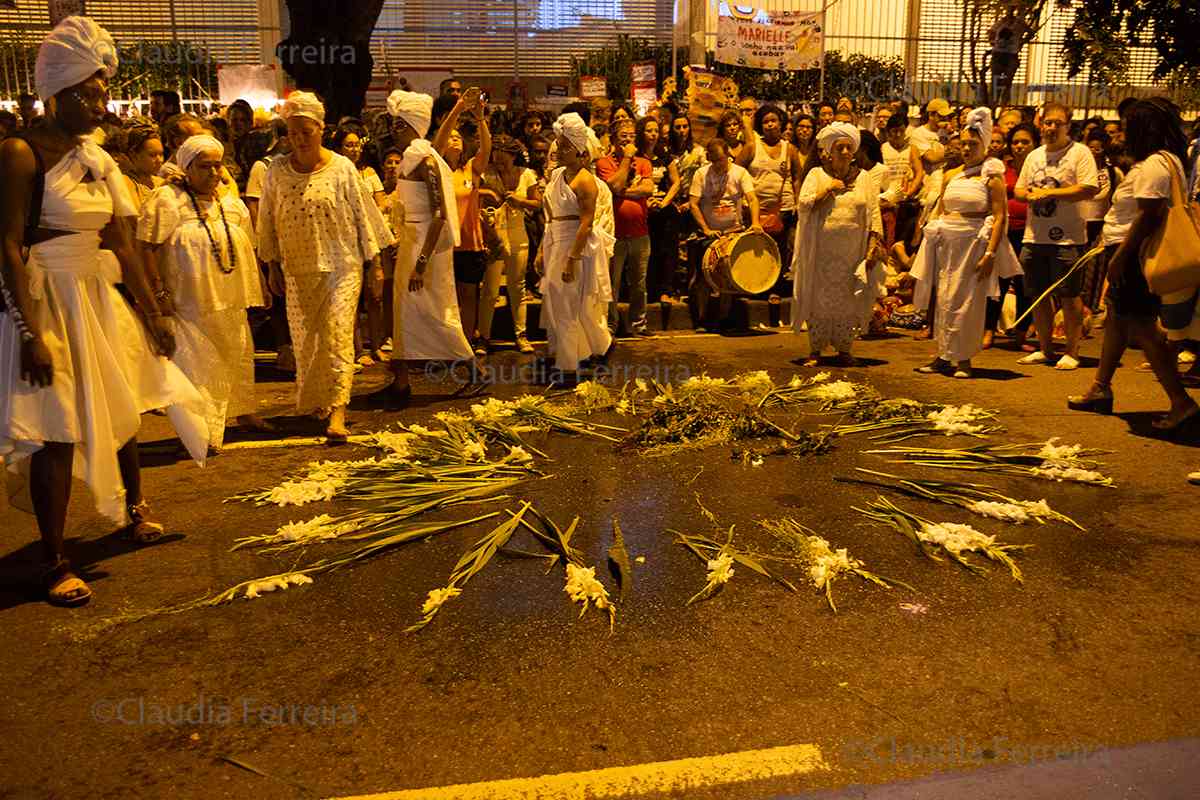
point(788, 40)
point(592, 86)
point(643, 86)
point(708, 95)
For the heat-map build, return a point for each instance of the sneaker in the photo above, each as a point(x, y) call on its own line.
point(1194, 478)
point(523, 345)
point(481, 347)
point(386, 347)
point(1036, 357)
point(1067, 362)
point(644, 333)
point(1187, 357)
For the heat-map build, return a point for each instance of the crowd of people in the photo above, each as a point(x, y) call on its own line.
point(142, 257)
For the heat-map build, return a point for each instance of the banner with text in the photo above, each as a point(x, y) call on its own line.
point(788, 40)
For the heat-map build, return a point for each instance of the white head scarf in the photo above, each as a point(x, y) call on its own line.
point(413, 107)
point(74, 51)
point(304, 104)
point(837, 130)
point(575, 130)
point(191, 149)
point(980, 121)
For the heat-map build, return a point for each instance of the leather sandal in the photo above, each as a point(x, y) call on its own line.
point(63, 587)
point(141, 528)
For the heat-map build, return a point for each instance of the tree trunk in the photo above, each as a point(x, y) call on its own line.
point(328, 51)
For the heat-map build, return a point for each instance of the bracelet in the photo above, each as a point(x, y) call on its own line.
point(17, 317)
point(989, 252)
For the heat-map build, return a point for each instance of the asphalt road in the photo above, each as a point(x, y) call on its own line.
point(970, 678)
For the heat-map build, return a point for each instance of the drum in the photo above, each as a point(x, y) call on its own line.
point(742, 263)
point(908, 317)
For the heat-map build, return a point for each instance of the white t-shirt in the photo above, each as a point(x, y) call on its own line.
point(899, 172)
point(1098, 206)
point(1054, 221)
point(254, 183)
point(1148, 180)
point(721, 201)
point(923, 139)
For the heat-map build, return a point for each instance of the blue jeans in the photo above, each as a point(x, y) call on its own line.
point(637, 253)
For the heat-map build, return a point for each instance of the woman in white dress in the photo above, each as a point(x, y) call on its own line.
point(838, 252)
point(426, 323)
point(76, 368)
point(965, 251)
point(319, 230)
point(575, 251)
point(204, 253)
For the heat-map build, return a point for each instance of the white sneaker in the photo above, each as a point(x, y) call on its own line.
point(1187, 357)
point(1036, 357)
point(1194, 478)
point(1067, 362)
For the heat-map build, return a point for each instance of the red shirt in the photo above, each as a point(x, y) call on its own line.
point(630, 214)
point(1017, 209)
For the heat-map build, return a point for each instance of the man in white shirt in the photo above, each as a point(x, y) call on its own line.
point(1056, 180)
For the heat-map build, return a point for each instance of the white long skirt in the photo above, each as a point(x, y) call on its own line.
point(949, 258)
point(105, 372)
point(576, 313)
point(426, 324)
point(321, 309)
point(216, 352)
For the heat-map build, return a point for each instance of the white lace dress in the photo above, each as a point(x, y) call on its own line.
point(322, 227)
point(834, 292)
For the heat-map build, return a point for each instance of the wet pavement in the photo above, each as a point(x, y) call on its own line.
point(318, 692)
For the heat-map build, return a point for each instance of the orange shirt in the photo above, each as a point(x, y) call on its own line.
point(466, 196)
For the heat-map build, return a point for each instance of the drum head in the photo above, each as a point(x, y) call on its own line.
point(754, 262)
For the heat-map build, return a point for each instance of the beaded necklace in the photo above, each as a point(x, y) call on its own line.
point(212, 240)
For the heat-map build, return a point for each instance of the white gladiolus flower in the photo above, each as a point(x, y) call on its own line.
point(474, 451)
point(437, 597)
point(282, 582)
point(796, 382)
point(827, 563)
point(315, 529)
point(720, 569)
point(298, 493)
point(661, 400)
point(641, 385)
point(451, 417)
point(701, 384)
point(1009, 512)
point(838, 390)
point(491, 410)
point(397, 443)
point(593, 394)
point(755, 383)
point(519, 455)
point(956, 419)
point(820, 377)
point(1056, 471)
point(1065, 453)
point(623, 407)
point(582, 587)
point(955, 538)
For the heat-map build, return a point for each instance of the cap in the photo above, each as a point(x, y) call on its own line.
point(939, 105)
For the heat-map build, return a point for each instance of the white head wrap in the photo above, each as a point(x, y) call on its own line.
point(191, 149)
point(304, 104)
point(980, 121)
point(74, 51)
point(575, 130)
point(413, 107)
point(837, 130)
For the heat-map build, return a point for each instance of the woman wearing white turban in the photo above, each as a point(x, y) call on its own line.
point(965, 250)
point(426, 321)
point(837, 253)
point(202, 243)
point(575, 251)
point(318, 229)
point(76, 370)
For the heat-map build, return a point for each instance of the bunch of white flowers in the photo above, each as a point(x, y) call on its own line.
point(281, 582)
point(317, 529)
point(491, 411)
point(827, 563)
point(397, 443)
point(518, 455)
point(838, 390)
point(701, 384)
point(473, 450)
point(756, 384)
point(1009, 512)
point(593, 395)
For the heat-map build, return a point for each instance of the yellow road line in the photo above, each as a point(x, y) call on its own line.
point(640, 779)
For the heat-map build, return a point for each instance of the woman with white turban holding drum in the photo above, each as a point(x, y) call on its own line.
point(202, 244)
point(76, 368)
point(838, 253)
point(575, 251)
point(426, 321)
point(317, 229)
point(965, 250)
